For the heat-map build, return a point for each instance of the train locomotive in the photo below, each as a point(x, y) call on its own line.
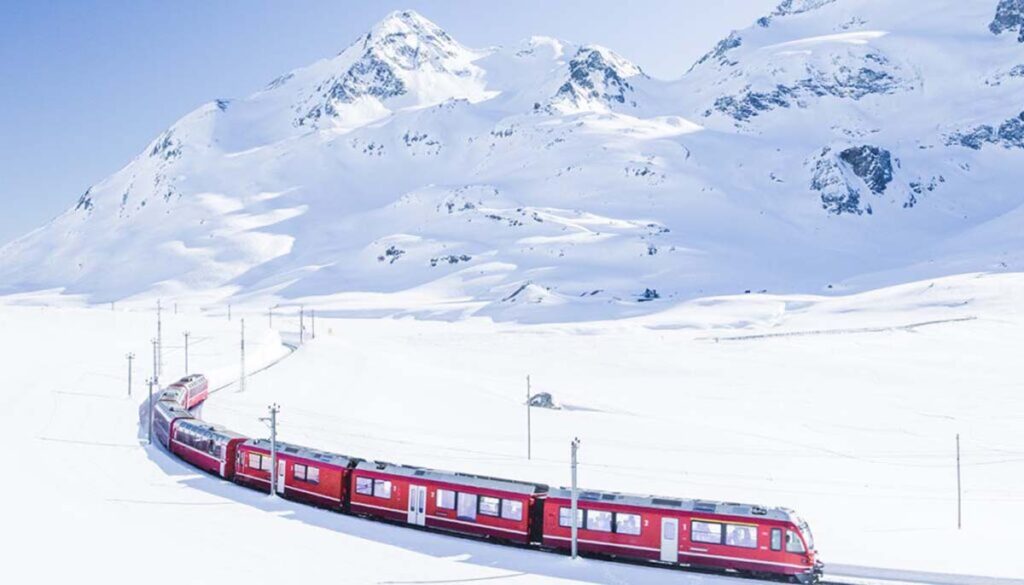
point(757, 541)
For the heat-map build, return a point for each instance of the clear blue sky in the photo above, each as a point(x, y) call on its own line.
point(87, 84)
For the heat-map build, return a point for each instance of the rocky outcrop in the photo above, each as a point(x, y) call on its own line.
point(834, 177)
point(873, 74)
point(598, 76)
point(1009, 134)
point(1009, 17)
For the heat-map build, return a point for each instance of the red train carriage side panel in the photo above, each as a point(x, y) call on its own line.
point(209, 447)
point(728, 536)
point(467, 504)
point(307, 475)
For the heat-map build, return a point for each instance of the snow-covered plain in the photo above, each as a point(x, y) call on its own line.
point(844, 408)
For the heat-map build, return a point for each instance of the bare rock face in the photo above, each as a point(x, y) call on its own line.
point(1009, 17)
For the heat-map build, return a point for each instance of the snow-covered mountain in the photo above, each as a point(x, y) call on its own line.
point(833, 144)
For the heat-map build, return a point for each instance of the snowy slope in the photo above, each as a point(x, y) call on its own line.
point(833, 145)
point(844, 408)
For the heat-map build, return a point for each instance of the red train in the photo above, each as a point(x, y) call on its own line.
point(752, 540)
point(189, 391)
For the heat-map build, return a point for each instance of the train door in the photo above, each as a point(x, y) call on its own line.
point(280, 476)
point(417, 505)
point(670, 540)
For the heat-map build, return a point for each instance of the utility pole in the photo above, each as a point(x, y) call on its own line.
point(312, 319)
point(575, 499)
point(149, 410)
point(156, 372)
point(229, 311)
point(175, 308)
point(130, 357)
point(274, 409)
point(270, 317)
point(529, 435)
point(241, 380)
point(186, 334)
point(159, 339)
point(302, 324)
point(959, 516)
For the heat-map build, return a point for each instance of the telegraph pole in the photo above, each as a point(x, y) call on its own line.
point(229, 311)
point(186, 334)
point(159, 339)
point(312, 319)
point(302, 324)
point(575, 499)
point(959, 516)
point(274, 409)
point(149, 409)
point(130, 357)
point(241, 380)
point(156, 371)
point(270, 317)
point(529, 434)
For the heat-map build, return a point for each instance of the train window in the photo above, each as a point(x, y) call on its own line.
point(466, 509)
point(709, 532)
point(382, 488)
point(254, 460)
point(741, 536)
point(511, 510)
point(446, 499)
point(565, 513)
point(313, 475)
point(627, 523)
point(599, 520)
point(776, 539)
point(364, 485)
point(490, 506)
point(299, 471)
point(793, 543)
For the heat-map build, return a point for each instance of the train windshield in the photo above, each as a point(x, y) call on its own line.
point(805, 530)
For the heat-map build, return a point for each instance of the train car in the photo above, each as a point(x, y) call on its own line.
point(165, 412)
point(191, 390)
point(209, 447)
point(454, 502)
point(306, 475)
point(750, 539)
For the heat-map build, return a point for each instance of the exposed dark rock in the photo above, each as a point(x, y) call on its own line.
point(1010, 134)
point(1009, 17)
point(837, 195)
point(391, 254)
point(450, 259)
point(85, 201)
point(870, 163)
point(166, 147)
point(875, 76)
point(719, 53)
point(649, 294)
point(593, 76)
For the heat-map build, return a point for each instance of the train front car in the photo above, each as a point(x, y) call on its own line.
point(303, 474)
point(209, 447)
point(191, 390)
point(753, 540)
point(454, 502)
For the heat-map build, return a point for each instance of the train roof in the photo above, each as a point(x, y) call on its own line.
point(491, 483)
point(170, 408)
point(197, 425)
point(304, 452)
point(678, 504)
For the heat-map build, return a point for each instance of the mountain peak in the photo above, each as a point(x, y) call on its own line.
point(600, 76)
point(405, 60)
